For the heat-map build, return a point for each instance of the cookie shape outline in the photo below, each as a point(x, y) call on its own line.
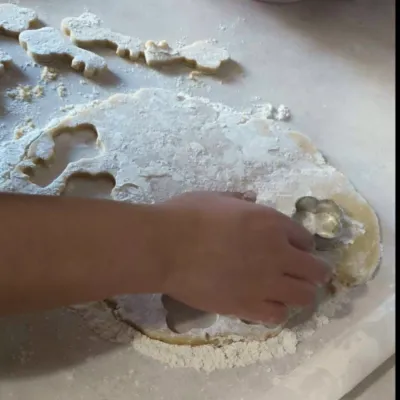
point(201, 55)
point(47, 43)
point(5, 61)
point(87, 30)
point(327, 230)
point(15, 19)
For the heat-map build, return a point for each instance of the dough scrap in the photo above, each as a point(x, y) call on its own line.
point(48, 43)
point(158, 143)
point(201, 55)
point(87, 30)
point(5, 61)
point(15, 19)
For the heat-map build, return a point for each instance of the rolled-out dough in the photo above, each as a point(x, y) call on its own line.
point(158, 143)
point(47, 44)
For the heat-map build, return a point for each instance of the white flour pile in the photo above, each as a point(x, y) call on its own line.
point(208, 358)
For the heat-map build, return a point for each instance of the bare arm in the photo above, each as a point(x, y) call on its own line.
point(212, 251)
point(57, 251)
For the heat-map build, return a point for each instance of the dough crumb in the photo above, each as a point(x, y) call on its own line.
point(195, 74)
point(23, 128)
point(62, 91)
point(283, 113)
point(25, 92)
point(49, 74)
point(5, 61)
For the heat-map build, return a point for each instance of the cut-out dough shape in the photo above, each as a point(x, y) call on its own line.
point(5, 61)
point(15, 19)
point(202, 55)
point(158, 143)
point(47, 43)
point(86, 30)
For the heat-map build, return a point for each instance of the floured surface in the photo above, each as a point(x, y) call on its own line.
point(15, 19)
point(330, 72)
point(48, 44)
point(144, 143)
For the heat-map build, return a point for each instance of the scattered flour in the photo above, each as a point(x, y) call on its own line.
point(208, 358)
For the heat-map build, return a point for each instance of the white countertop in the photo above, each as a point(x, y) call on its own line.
point(379, 385)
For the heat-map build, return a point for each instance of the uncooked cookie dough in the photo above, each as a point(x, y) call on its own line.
point(87, 30)
point(5, 61)
point(15, 19)
point(48, 43)
point(157, 144)
point(202, 55)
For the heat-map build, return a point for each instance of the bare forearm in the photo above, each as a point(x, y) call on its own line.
point(57, 251)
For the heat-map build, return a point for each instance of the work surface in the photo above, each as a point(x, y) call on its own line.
point(332, 63)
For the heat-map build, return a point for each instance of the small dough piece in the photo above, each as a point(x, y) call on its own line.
point(86, 30)
point(15, 19)
point(159, 54)
point(5, 61)
point(202, 55)
point(48, 43)
point(223, 150)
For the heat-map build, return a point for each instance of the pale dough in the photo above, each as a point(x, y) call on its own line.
point(87, 30)
point(15, 19)
point(201, 55)
point(47, 44)
point(5, 61)
point(158, 143)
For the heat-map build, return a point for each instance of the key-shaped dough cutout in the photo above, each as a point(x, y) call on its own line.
point(15, 19)
point(46, 44)
point(202, 55)
point(86, 30)
point(5, 60)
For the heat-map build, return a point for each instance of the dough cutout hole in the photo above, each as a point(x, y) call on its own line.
point(70, 145)
point(182, 318)
point(97, 186)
